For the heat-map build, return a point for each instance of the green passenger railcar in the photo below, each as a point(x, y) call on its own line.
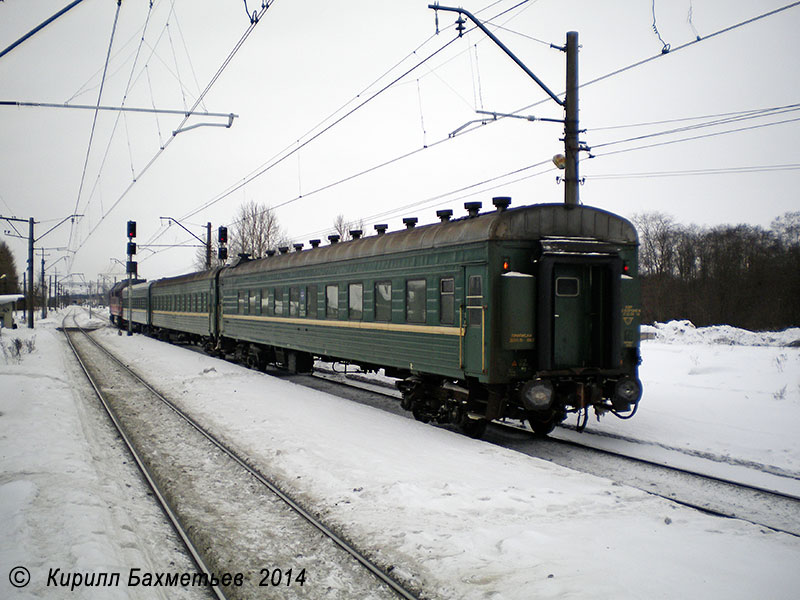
point(183, 307)
point(530, 312)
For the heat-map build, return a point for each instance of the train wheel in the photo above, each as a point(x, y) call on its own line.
point(421, 415)
point(474, 428)
point(542, 426)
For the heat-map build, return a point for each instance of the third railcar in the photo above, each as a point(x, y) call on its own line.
point(530, 312)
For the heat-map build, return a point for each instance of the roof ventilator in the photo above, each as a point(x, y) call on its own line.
point(333, 239)
point(298, 247)
point(473, 208)
point(410, 222)
point(381, 229)
point(284, 249)
point(314, 243)
point(501, 203)
point(444, 215)
point(356, 234)
point(270, 252)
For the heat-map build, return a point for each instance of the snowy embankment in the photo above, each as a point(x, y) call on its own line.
point(461, 518)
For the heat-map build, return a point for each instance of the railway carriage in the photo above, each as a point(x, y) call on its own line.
point(529, 312)
point(135, 305)
point(115, 300)
point(184, 307)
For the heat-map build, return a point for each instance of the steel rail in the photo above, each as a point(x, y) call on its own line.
point(685, 471)
point(374, 387)
point(171, 516)
point(288, 500)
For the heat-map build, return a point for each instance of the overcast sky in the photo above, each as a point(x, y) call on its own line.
point(307, 59)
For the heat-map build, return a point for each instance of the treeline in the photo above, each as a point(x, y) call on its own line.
point(741, 275)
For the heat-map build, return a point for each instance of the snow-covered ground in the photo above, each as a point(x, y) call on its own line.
point(462, 518)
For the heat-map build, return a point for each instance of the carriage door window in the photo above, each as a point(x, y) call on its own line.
point(332, 301)
point(475, 300)
point(355, 295)
point(447, 290)
point(383, 301)
point(415, 300)
point(294, 302)
point(568, 287)
point(312, 301)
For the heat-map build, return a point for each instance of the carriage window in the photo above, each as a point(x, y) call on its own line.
point(415, 301)
point(242, 302)
point(264, 302)
point(278, 302)
point(332, 301)
point(567, 287)
point(312, 301)
point(355, 294)
point(447, 288)
point(475, 300)
point(383, 301)
point(254, 303)
point(294, 302)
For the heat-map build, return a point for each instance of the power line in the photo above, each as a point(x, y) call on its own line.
point(475, 127)
point(699, 137)
point(733, 118)
point(297, 146)
point(265, 6)
point(697, 172)
point(94, 120)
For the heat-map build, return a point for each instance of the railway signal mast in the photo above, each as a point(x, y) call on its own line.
point(572, 145)
point(131, 269)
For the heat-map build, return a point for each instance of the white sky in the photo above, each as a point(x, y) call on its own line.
point(307, 58)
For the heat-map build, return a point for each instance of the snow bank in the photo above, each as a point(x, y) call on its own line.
point(684, 332)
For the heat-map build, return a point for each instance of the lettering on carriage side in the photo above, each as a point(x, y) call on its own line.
point(629, 313)
point(521, 338)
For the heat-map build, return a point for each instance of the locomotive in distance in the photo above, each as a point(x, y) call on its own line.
point(527, 313)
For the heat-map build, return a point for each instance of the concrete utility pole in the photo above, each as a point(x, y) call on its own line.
point(208, 246)
point(44, 288)
point(572, 145)
point(30, 273)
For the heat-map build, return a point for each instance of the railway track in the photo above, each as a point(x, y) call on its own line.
point(710, 493)
point(232, 518)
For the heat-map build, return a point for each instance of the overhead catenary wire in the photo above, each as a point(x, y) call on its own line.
point(714, 122)
point(314, 134)
point(265, 6)
point(602, 78)
point(700, 172)
point(94, 120)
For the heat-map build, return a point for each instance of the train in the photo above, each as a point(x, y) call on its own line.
point(529, 313)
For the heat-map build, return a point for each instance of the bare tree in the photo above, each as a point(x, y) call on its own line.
point(657, 242)
point(200, 257)
point(255, 231)
point(344, 227)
